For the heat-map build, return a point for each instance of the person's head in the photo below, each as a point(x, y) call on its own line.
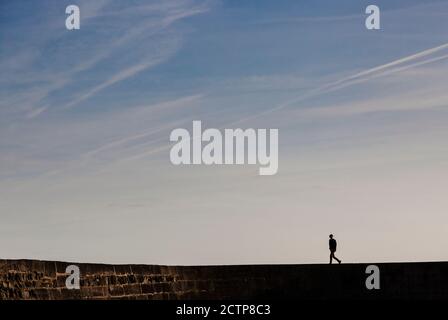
point(331, 236)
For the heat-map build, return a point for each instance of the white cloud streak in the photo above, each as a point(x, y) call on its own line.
point(151, 20)
point(366, 75)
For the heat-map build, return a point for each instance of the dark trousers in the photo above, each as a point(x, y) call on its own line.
point(332, 256)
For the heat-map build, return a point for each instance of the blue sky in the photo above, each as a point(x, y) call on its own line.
point(85, 118)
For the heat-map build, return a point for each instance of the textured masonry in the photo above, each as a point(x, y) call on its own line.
point(32, 279)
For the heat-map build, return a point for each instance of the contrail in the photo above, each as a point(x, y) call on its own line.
point(387, 72)
point(125, 140)
point(400, 61)
point(384, 69)
point(378, 71)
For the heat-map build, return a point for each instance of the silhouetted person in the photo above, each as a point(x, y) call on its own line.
point(332, 244)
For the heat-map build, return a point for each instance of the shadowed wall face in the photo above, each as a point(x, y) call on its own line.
point(30, 279)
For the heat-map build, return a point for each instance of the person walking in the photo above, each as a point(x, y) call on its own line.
point(333, 244)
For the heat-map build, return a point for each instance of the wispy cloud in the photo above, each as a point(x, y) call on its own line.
point(111, 138)
point(165, 106)
point(398, 65)
point(120, 76)
point(418, 100)
point(118, 33)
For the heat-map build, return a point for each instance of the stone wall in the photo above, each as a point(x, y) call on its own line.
point(32, 279)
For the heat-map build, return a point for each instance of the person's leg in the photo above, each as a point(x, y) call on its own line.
point(339, 261)
point(331, 257)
